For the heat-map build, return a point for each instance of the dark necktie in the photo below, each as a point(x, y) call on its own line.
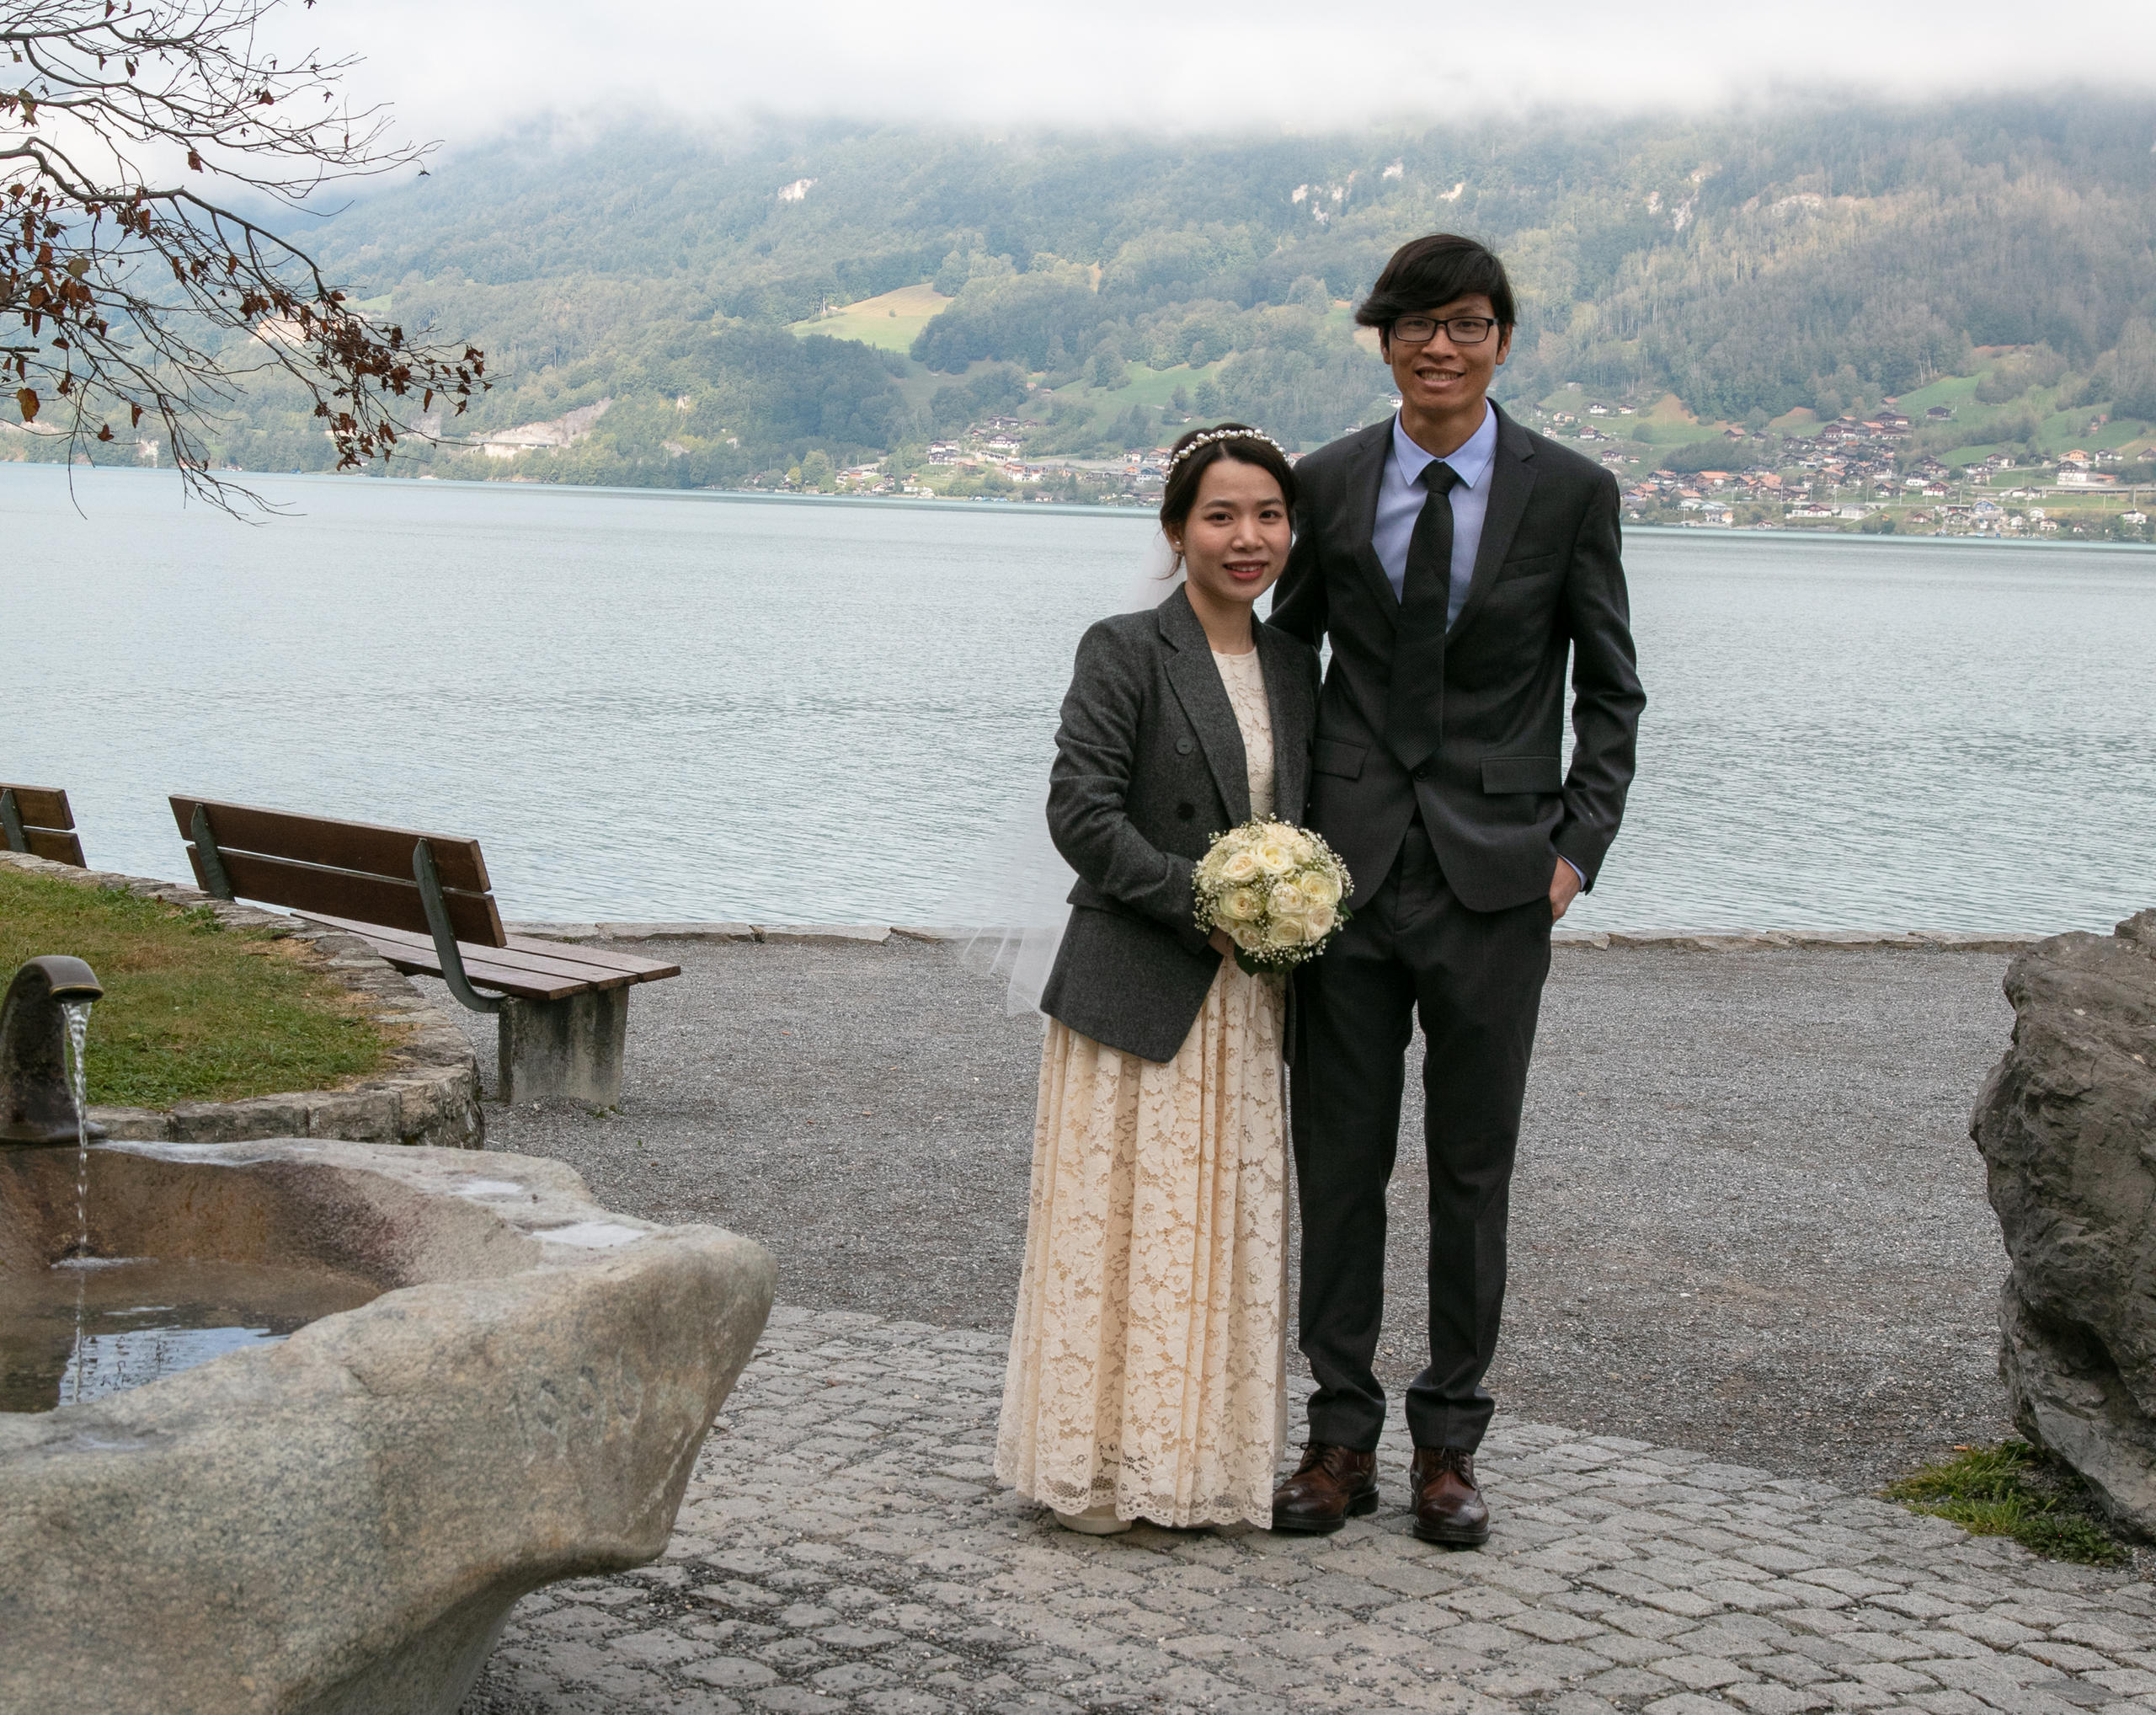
point(1413, 718)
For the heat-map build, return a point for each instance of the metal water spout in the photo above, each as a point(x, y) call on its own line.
point(36, 1104)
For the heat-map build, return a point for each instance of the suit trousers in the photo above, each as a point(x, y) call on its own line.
point(1475, 978)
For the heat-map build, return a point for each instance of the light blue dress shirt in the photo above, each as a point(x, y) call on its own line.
point(1401, 495)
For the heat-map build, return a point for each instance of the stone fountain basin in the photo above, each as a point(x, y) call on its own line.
point(342, 1522)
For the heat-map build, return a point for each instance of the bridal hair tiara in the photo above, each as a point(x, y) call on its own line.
point(1213, 437)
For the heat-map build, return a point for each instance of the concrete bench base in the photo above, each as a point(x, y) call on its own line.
point(569, 1049)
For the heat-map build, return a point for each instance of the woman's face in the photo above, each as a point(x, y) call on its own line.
point(1235, 543)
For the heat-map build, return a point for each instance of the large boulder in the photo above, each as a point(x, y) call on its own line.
point(2067, 1125)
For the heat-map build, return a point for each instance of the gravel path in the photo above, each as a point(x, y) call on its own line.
point(1748, 1218)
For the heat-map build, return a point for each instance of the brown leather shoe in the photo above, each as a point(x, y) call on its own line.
point(1449, 1507)
point(1330, 1485)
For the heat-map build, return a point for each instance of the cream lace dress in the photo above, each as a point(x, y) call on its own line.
point(1147, 1353)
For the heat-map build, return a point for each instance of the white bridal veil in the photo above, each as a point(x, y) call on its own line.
point(1009, 916)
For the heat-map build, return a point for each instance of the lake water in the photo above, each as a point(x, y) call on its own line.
point(652, 705)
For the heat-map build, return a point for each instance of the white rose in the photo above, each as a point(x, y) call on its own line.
point(1241, 905)
point(1275, 856)
point(1321, 887)
point(1295, 927)
point(1248, 937)
point(1239, 866)
point(1310, 924)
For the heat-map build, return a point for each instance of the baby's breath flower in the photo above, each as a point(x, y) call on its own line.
point(1276, 888)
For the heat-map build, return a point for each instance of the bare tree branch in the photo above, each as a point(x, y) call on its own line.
point(131, 292)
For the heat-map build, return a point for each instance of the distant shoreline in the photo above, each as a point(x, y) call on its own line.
point(1032, 508)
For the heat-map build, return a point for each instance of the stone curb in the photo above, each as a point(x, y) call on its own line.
point(1600, 940)
point(873, 934)
point(1810, 940)
point(429, 1095)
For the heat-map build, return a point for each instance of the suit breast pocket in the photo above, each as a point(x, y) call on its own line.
point(1503, 775)
point(1331, 757)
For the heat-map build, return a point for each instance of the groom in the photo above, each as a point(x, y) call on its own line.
point(1454, 560)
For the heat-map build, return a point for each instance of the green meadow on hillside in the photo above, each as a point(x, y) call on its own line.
point(891, 321)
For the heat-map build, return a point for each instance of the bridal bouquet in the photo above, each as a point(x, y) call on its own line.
point(1276, 889)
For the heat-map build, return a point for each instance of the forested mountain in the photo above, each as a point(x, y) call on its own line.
point(1822, 258)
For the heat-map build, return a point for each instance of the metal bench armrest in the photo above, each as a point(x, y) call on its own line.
point(452, 961)
point(218, 883)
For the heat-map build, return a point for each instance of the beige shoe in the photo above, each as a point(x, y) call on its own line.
point(1094, 1521)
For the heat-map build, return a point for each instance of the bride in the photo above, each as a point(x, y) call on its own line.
point(1148, 1348)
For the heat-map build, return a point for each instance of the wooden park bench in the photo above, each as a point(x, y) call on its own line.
point(37, 820)
point(423, 902)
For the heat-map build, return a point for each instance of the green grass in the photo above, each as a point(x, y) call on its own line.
point(1974, 454)
point(1666, 423)
point(1152, 387)
point(889, 323)
point(2013, 1490)
point(2066, 430)
point(193, 1012)
point(1956, 390)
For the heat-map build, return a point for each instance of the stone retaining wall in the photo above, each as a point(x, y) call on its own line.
point(428, 1093)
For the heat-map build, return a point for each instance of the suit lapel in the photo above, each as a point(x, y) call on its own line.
point(1511, 480)
point(1365, 473)
point(1197, 684)
point(1287, 696)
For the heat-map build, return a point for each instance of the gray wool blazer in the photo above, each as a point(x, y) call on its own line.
point(1148, 770)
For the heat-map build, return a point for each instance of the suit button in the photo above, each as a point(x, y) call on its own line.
point(1184, 812)
point(1182, 747)
point(1422, 773)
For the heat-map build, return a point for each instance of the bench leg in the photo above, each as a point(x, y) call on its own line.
point(570, 1048)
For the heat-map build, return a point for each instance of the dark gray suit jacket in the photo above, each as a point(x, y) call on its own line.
point(1149, 770)
point(1548, 581)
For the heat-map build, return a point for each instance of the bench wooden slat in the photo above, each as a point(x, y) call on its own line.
point(538, 958)
point(61, 848)
point(525, 984)
point(41, 807)
point(365, 847)
point(340, 892)
point(605, 957)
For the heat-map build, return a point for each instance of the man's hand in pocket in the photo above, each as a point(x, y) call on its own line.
point(1564, 889)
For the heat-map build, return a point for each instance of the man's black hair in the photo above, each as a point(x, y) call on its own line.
point(1428, 272)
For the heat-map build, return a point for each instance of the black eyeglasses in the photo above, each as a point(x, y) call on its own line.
point(1462, 331)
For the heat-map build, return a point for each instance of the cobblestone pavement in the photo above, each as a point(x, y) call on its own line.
point(843, 1546)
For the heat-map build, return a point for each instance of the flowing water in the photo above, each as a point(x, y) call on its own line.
point(655, 705)
point(76, 1015)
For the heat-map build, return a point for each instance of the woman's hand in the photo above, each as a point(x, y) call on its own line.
point(1222, 943)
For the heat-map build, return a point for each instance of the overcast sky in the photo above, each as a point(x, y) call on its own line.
point(459, 69)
